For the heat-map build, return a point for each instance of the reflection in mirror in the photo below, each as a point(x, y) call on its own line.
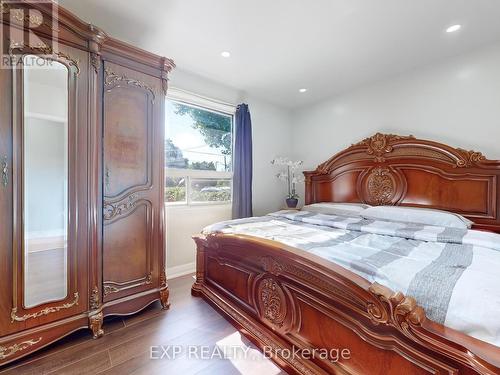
point(45, 129)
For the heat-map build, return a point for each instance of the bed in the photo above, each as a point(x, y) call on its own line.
point(315, 316)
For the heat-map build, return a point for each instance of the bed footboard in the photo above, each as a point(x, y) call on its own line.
point(314, 317)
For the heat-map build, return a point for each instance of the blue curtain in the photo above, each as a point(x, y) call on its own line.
point(242, 173)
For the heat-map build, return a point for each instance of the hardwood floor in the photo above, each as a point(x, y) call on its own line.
point(126, 345)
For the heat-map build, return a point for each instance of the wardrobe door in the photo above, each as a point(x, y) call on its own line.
point(44, 183)
point(132, 205)
point(6, 290)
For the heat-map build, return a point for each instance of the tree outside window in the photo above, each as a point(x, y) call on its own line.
point(201, 141)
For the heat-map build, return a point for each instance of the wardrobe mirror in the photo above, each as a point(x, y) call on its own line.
point(45, 177)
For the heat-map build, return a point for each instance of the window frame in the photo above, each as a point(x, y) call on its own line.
point(212, 105)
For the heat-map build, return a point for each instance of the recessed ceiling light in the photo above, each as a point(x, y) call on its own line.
point(302, 90)
point(453, 28)
point(225, 54)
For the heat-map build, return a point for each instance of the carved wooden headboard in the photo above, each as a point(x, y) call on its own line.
point(389, 169)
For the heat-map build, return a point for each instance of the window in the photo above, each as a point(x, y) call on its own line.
point(198, 150)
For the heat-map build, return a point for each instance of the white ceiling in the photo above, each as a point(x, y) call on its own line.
point(279, 46)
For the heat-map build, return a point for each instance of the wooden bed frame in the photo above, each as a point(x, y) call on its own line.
point(290, 302)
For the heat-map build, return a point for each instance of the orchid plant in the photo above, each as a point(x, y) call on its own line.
point(289, 175)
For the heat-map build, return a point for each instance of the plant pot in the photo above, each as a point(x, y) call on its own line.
point(292, 202)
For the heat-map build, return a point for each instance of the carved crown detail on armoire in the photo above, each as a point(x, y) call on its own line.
point(82, 177)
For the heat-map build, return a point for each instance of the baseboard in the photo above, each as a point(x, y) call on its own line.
point(182, 270)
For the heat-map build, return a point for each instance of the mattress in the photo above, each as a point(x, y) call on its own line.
point(454, 274)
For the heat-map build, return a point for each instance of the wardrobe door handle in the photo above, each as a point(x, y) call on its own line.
point(5, 172)
point(106, 178)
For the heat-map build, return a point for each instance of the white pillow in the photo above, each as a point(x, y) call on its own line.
point(336, 208)
point(416, 215)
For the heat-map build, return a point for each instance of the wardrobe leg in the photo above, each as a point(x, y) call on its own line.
point(164, 294)
point(96, 325)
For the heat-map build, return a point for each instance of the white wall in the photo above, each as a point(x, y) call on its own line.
point(182, 223)
point(271, 138)
point(456, 102)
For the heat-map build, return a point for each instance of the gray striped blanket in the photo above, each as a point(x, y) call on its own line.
point(452, 273)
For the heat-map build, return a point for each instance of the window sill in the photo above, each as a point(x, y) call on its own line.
point(198, 205)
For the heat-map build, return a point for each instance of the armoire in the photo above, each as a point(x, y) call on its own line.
point(81, 177)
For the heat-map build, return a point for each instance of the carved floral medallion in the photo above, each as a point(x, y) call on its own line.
point(272, 302)
point(381, 144)
point(380, 186)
